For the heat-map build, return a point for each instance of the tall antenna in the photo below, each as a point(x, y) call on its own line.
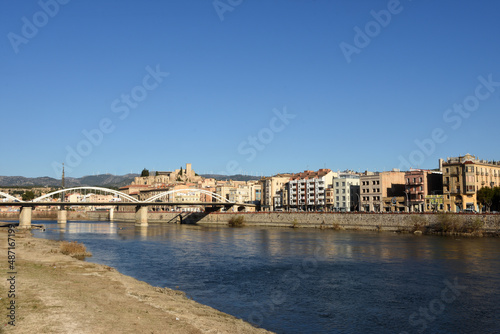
point(62, 183)
point(62, 180)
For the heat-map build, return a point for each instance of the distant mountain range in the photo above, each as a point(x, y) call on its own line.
point(237, 177)
point(102, 180)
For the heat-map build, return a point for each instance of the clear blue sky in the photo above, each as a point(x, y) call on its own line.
point(225, 78)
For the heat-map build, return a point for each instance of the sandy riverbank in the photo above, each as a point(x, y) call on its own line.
point(55, 293)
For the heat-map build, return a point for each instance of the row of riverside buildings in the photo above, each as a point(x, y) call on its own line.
point(452, 187)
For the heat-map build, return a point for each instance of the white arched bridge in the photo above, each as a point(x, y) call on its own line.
point(98, 196)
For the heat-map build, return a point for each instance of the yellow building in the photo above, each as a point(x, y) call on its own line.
point(463, 177)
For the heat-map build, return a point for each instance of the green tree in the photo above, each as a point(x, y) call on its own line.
point(485, 196)
point(180, 172)
point(28, 195)
point(144, 172)
point(496, 199)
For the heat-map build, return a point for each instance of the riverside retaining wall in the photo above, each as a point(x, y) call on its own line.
point(350, 221)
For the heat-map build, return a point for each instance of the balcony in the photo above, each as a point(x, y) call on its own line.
point(470, 190)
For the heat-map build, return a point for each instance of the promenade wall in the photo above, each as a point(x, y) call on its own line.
point(350, 221)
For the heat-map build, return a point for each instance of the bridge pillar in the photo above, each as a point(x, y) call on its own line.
point(25, 217)
point(62, 216)
point(112, 214)
point(141, 216)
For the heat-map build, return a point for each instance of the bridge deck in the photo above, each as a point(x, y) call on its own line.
point(33, 204)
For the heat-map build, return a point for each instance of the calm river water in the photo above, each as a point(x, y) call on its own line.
point(309, 280)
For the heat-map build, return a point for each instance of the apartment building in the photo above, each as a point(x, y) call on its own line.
point(420, 184)
point(463, 176)
point(306, 191)
point(271, 194)
point(343, 194)
point(375, 187)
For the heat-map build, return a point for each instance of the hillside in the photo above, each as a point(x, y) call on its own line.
point(103, 180)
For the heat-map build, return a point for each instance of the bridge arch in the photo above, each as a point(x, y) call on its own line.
point(206, 192)
point(2, 194)
point(105, 190)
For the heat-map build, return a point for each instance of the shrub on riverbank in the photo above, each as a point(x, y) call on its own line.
point(236, 221)
point(74, 249)
point(451, 224)
point(419, 224)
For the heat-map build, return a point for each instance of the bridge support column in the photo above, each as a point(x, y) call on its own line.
point(112, 214)
point(62, 216)
point(25, 217)
point(141, 216)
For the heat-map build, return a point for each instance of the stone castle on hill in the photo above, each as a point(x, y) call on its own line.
point(186, 175)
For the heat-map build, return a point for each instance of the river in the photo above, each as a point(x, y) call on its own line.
point(309, 280)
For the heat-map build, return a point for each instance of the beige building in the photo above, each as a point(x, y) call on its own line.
point(376, 187)
point(462, 177)
point(272, 191)
point(162, 178)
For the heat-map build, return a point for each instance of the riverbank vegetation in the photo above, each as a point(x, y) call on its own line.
point(74, 249)
point(449, 224)
point(236, 221)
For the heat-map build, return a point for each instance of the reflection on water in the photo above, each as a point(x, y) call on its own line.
point(308, 280)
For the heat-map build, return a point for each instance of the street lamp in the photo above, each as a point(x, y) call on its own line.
point(407, 201)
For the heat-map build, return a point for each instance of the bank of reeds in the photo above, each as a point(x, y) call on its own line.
point(236, 221)
point(74, 249)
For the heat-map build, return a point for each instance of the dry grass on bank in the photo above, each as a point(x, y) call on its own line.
point(236, 221)
point(74, 249)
